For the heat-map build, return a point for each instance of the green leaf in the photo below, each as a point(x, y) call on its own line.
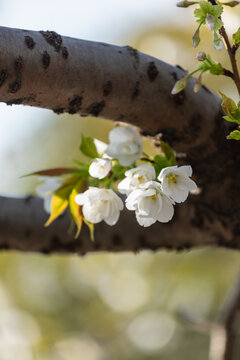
point(160, 162)
point(230, 119)
point(207, 9)
point(216, 69)
point(90, 227)
point(231, 110)
point(236, 37)
point(217, 24)
point(88, 148)
point(54, 172)
point(75, 209)
point(167, 150)
point(235, 135)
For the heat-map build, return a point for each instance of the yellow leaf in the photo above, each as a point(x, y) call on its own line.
point(90, 227)
point(59, 202)
point(75, 209)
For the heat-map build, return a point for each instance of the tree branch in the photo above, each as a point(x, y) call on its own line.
point(120, 83)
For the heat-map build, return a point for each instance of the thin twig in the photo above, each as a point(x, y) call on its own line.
point(228, 73)
point(231, 52)
point(232, 58)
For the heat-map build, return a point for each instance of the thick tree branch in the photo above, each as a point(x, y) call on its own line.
point(119, 83)
point(21, 224)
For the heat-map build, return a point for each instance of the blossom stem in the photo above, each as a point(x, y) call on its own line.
point(147, 159)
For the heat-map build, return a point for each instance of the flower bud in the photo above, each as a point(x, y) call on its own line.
point(217, 42)
point(231, 3)
point(196, 38)
point(180, 85)
point(210, 21)
point(185, 4)
point(198, 84)
point(201, 56)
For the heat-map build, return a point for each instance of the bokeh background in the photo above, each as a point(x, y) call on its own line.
point(104, 306)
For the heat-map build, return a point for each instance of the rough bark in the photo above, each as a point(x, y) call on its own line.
point(119, 83)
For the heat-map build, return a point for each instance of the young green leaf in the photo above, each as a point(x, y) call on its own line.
point(160, 162)
point(167, 150)
point(236, 37)
point(231, 110)
point(235, 135)
point(209, 14)
point(88, 148)
point(216, 69)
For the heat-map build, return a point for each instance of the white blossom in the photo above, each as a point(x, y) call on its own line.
point(150, 204)
point(135, 177)
point(99, 168)
point(176, 183)
point(46, 189)
point(125, 145)
point(100, 204)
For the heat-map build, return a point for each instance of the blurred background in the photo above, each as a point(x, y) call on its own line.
point(104, 306)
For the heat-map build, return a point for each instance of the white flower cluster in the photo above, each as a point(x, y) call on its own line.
point(152, 199)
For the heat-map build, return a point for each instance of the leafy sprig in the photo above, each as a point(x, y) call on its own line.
point(209, 13)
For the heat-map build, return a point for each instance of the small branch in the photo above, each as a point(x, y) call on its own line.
point(232, 57)
point(235, 48)
point(228, 73)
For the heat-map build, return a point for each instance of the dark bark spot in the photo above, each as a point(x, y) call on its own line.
point(28, 199)
point(17, 83)
point(174, 75)
point(116, 240)
point(179, 98)
point(107, 88)
point(136, 90)
point(18, 64)
point(95, 108)
point(3, 76)
point(181, 68)
point(152, 71)
point(29, 42)
point(46, 60)
point(17, 101)
point(64, 52)
point(15, 86)
point(53, 39)
point(119, 51)
point(75, 105)
point(134, 53)
point(58, 110)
